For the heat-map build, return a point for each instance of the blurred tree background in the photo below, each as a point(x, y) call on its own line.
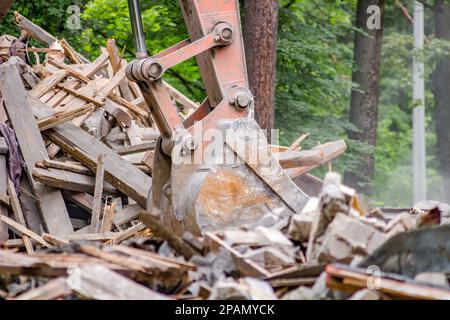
point(314, 74)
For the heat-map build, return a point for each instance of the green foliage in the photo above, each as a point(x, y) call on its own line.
point(163, 25)
point(314, 74)
point(50, 15)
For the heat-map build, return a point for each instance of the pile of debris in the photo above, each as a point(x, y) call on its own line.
point(73, 225)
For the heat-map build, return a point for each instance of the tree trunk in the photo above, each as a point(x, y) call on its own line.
point(260, 37)
point(441, 91)
point(365, 98)
point(5, 5)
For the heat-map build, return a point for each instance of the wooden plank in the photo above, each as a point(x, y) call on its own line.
point(143, 147)
point(116, 63)
point(18, 215)
point(90, 236)
point(36, 32)
point(118, 112)
point(50, 201)
point(3, 116)
point(69, 69)
point(21, 230)
point(3, 192)
point(54, 240)
point(114, 82)
point(108, 217)
point(314, 157)
point(148, 159)
point(82, 199)
point(67, 166)
point(127, 214)
point(122, 236)
point(61, 117)
point(130, 106)
point(351, 279)
point(70, 53)
point(48, 84)
point(163, 232)
point(53, 289)
point(45, 265)
point(30, 207)
point(154, 258)
point(80, 94)
point(92, 285)
point(97, 206)
point(85, 148)
point(68, 180)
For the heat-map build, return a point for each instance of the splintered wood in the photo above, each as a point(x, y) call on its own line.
point(79, 182)
point(79, 222)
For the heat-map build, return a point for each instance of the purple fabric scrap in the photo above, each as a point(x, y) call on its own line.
point(15, 160)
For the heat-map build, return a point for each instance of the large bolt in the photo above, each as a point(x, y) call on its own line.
point(227, 33)
point(190, 144)
point(144, 70)
point(224, 33)
point(243, 100)
point(155, 70)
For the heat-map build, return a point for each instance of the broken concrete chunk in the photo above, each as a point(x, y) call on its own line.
point(301, 293)
point(273, 236)
point(271, 258)
point(300, 224)
point(332, 202)
point(229, 289)
point(402, 223)
point(246, 289)
point(236, 236)
point(365, 294)
point(258, 289)
point(348, 236)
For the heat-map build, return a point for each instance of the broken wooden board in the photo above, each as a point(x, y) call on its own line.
point(50, 201)
point(18, 215)
point(350, 279)
point(163, 232)
point(45, 265)
point(68, 180)
point(127, 214)
point(3, 191)
point(29, 206)
point(54, 289)
point(98, 191)
point(36, 32)
point(314, 157)
point(100, 283)
point(85, 148)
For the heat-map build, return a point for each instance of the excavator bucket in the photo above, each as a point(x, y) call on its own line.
point(215, 168)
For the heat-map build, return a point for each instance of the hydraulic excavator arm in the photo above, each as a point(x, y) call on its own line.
point(215, 168)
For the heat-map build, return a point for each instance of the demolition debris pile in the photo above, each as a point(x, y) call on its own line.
point(77, 144)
